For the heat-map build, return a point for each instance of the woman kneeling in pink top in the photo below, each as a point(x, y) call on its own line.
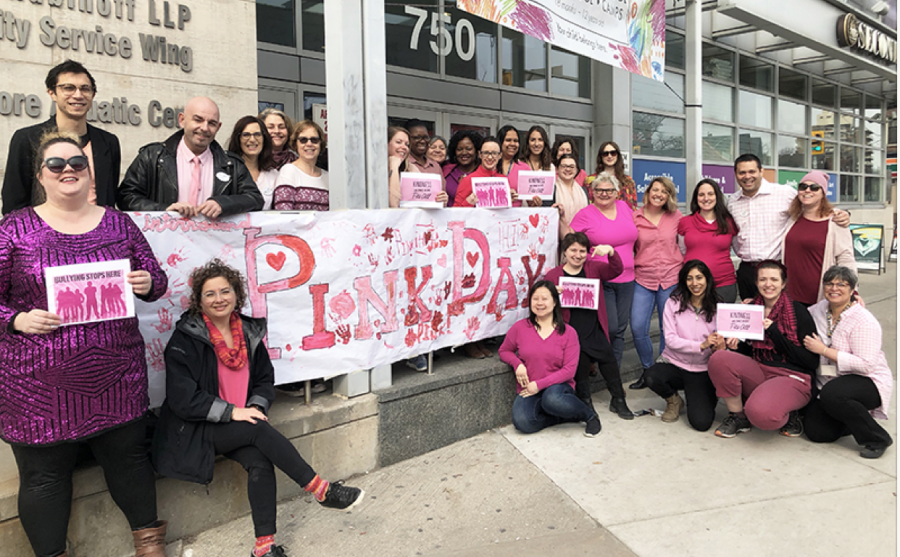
point(690, 327)
point(544, 353)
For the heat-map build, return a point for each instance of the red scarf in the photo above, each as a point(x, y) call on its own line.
point(233, 358)
point(783, 316)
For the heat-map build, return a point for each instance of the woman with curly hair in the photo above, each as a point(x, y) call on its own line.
point(219, 387)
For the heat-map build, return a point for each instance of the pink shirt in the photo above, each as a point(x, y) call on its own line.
point(513, 176)
point(703, 242)
point(657, 258)
point(183, 157)
point(233, 384)
point(762, 219)
point(620, 233)
point(549, 361)
point(685, 332)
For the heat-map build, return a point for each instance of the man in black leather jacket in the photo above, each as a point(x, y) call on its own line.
point(189, 172)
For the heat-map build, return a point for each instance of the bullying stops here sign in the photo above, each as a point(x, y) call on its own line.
point(349, 290)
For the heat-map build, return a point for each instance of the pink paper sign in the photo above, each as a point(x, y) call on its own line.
point(743, 321)
point(492, 193)
point(536, 183)
point(579, 293)
point(90, 292)
point(419, 189)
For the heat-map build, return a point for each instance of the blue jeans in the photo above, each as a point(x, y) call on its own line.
point(618, 297)
point(554, 405)
point(641, 312)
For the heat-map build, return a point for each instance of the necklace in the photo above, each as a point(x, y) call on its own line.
point(832, 322)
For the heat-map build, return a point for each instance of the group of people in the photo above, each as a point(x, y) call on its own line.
point(819, 367)
point(78, 306)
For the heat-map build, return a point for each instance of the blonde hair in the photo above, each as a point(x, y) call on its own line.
point(671, 203)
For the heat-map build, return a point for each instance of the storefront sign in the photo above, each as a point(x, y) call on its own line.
point(349, 290)
point(793, 177)
point(853, 33)
point(626, 34)
point(645, 171)
point(868, 245)
point(722, 175)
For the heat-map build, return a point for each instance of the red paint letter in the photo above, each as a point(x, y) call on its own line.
point(526, 260)
point(366, 296)
point(505, 282)
point(320, 337)
point(416, 305)
point(460, 234)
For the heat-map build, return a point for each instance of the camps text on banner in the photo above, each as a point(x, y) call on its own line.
point(349, 290)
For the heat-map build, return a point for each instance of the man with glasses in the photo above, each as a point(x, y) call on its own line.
point(72, 89)
point(189, 172)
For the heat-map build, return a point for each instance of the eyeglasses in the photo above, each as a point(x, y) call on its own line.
point(490, 154)
point(604, 191)
point(610, 153)
point(840, 285)
point(810, 187)
point(251, 135)
point(58, 164)
point(568, 167)
point(212, 294)
point(69, 89)
point(420, 138)
point(305, 140)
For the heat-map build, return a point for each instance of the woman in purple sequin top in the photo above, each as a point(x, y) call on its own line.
point(65, 386)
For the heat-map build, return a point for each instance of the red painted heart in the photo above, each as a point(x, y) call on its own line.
point(276, 260)
point(534, 220)
point(472, 258)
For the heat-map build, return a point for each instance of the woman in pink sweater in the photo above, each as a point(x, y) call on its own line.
point(544, 352)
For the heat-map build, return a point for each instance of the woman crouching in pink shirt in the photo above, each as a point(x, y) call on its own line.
point(544, 353)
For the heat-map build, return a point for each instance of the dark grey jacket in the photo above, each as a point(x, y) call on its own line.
point(151, 182)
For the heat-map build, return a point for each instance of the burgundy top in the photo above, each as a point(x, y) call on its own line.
point(703, 241)
point(594, 270)
point(549, 361)
point(80, 379)
point(620, 233)
point(452, 173)
point(804, 251)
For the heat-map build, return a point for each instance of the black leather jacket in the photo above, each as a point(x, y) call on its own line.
point(151, 183)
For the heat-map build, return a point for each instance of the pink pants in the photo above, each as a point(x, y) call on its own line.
point(770, 393)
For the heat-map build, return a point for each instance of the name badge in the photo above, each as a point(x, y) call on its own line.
point(222, 176)
point(828, 370)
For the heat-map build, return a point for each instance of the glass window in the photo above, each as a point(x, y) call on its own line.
point(756, 73)
point(823, 92)
point(849, 188)
point(275, 22)
point(758, 143)
point(791, 84)
point(658, 135)
point(674, 50)
point(718, 143)
point(792, 152)
point(873, 189)
point(472, 46)
point(873, 107)
point(874, 162)
point(822, 123)
point(850, 129)
point(792, 117)
point(755, 110)
point(823, 156)
point(647, 93)
point(850, 159)
point(851, 100)
point(524, 61)
point(570, 74)
point(313, 25)
point(873, 133)
point(717, 62)
point(718, 102)
point(409, 40)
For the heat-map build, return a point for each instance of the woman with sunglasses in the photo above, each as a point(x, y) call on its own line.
point(609, 159)
point(64, 389)
point(303, 186)
point(250, 139)
point(279, 126)
point(708, 232)
point(854, 379)
point(813, 243)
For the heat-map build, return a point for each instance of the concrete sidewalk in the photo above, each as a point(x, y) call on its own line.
point(641, 488)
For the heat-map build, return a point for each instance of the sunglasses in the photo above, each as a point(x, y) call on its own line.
point(810, 187)
point(610, 153)
point(305, 140)
point(58, 164)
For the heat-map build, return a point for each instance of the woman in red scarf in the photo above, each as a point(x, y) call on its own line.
point(219, 386)
point(775, 375)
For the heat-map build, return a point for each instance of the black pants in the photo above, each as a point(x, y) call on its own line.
point(257, 447)
point(843, 408)
point(699, 392)
point(746, 280)
point(727, 293)
point(45, 483)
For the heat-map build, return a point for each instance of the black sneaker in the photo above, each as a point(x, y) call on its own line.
point(732, 425)
point(274, 551)
point(592, 427)
point(794, 425)
point(342, 497)
point(618, 406)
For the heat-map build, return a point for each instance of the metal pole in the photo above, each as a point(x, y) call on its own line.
point(693, 107)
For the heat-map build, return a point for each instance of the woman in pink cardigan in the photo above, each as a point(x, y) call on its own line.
point(813, 242)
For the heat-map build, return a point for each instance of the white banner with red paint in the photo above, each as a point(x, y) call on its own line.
point(349, 290)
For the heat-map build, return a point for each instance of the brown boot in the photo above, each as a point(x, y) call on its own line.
point(151, 542)
point(674, 404)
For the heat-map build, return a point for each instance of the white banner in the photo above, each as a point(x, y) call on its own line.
point(349, 290)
